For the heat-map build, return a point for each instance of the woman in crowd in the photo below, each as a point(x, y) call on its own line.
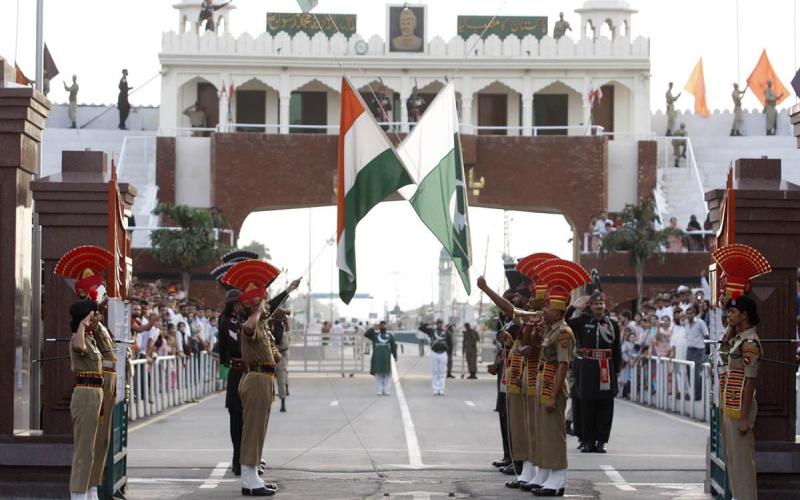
point(629, 355)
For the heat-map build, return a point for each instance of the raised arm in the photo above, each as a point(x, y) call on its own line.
point(78, 341)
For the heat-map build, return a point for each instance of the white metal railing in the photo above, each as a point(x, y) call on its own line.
point(171, 381)
point(669, 385)
point(217, 233)
point(587, 241)
point(137, 160)
point(534, 130)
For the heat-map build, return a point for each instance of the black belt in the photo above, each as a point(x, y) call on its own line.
point(89, 380)
point(261, 368)
point(588, 353)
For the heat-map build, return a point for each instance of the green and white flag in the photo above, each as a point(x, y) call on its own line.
point(432, 155)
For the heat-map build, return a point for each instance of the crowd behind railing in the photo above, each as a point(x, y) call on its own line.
point(694, 238)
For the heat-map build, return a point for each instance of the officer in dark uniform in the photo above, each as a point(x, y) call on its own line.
point(597, 364)
point(230, 355)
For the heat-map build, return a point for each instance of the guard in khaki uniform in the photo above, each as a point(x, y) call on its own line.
point(522, 368)
point(83, 267)
point(106, 345)
point(557, 353)
point(740, 351)
point(259, 355)
point(86, 363)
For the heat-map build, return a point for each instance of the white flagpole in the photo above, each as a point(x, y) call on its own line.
point(39, 45)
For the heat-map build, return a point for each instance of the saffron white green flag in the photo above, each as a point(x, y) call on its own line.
point(432, 154)
point(368, 171)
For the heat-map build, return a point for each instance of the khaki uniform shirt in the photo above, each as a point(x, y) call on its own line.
point(740, 357)
point(89, 360)
point(558, 346)
point(259, 348)
point(106, 346)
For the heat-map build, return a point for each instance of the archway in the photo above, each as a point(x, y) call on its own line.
point(199, 90)
point(397, 262)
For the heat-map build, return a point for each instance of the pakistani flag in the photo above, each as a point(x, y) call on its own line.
point(368, 171)
point(432, 154)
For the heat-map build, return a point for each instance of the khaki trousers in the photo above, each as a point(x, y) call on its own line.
point(740, 464)
point(104, 428)
point(530, 401)
point(85, 410)
point(551, 433)
point(518, 426)
point(257, 392)
point(282, 375)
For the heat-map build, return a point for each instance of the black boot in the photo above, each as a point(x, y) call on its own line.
point(569, 428)
point(589, 448)
point(600, 447)
point(283, 405)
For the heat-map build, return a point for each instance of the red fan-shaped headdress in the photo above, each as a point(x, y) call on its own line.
point(84, 265)
point(251, 277)
point(527, 266)
point(740, 263)
point(561, 277)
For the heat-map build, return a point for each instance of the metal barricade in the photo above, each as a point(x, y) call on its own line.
point(332, 353)
point(669, 385)
point(171, 381)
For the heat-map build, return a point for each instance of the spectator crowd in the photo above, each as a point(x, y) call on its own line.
point(691, 239)
point(674, 324)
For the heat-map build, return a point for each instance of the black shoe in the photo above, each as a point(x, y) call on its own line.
point(589, 448)
point(450, 375)
point(283, 405)
point(509, 470)
point(581, 444)
point(473, 376)
point(527, 486)
point(535, 487)
point(502, 462)
point(514, 484)
point(257, 492)
point(569, 428)
point(271, 486)
point(600, 447)
point(548, 492)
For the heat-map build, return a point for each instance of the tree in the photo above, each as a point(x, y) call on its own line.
point(639, 237)
point(195, 245)
point(259, 248)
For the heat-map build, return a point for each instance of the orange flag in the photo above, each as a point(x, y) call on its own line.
point(757, 81)
point(20, 77)
point(697, 87)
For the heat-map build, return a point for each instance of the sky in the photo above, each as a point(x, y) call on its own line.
point(95, 39)
point(398, 260)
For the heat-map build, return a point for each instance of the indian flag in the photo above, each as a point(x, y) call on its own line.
point(432, 154)
point(368, 171)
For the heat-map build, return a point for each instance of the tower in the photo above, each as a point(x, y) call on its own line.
point(616, 14)
point(189, 15)
point(445, 286)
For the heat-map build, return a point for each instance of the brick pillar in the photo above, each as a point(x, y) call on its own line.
point(646, 168)
point(73, 210)
point(766, 219)
point(23, 112)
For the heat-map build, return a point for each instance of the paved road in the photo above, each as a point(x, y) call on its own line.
point(339, 440)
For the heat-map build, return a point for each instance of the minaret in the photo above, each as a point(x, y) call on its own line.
point(616, 14)
point(443, 309)
point(189, 14)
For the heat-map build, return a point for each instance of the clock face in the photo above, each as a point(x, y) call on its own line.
point(361, 47)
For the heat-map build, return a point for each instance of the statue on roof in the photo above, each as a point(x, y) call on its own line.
point(738, 120)
point(73, 100)
point(671, 108)
point(679, 145)
point(207, 9)
point(561, 27)
point(123, 105)
point(770, 100)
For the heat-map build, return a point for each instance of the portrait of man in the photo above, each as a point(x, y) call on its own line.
point(406, 26)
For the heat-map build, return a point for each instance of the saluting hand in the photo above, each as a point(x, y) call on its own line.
point(481, 282)
point(294, 284)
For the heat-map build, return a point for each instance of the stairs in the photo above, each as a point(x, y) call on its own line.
point(681, 197)
point(715, 154)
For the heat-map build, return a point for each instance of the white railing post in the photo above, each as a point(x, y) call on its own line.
point(692, 369)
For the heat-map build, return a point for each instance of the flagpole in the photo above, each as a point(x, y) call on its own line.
point(39, 44)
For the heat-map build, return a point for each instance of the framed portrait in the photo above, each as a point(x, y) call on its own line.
point(406, 28)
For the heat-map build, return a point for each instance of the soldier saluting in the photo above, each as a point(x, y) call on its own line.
point(597, 363)
point(740, 352)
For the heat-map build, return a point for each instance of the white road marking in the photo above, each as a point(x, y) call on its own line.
point(335, 403)
point(616, 478)
point(663, 414)
point(414, 453)
point(215, 476)
point(470, 403)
